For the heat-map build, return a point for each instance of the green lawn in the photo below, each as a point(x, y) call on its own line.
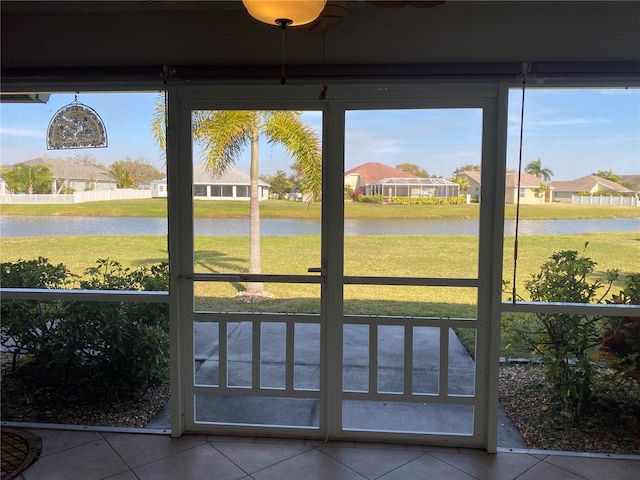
point(375, 255)
point(429, 256)
point(157, 207)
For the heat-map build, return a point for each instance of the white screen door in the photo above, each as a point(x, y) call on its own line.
point(357, 317)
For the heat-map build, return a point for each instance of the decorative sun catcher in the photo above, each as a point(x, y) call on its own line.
point(76, 126)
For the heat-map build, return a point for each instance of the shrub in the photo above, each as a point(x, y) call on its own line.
point(622, 334)
point(565, 341)
point(84, 346)
point(372, 198)
point(427, 200)
point(356, 194)
point(29, 325)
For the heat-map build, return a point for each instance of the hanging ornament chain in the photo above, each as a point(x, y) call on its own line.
point(526, 69)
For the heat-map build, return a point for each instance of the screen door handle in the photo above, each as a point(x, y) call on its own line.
point(315, 270)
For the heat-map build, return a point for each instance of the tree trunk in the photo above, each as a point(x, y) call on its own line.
point(254, 288)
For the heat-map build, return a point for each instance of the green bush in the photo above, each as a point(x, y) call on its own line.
point(565, 342)
point(358, 197)
point(85, 346)
point(372, 198)
point(427, 201)
point(622, 334)
point(29, 325)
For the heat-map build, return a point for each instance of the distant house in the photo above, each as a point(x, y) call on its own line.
point(631, 181)
point(159, 188)
point(473, 189)
point(374, 178)
point(232, 184)
point(531, 190)
point(369, 173)
point(71, 176)
point(591, 184)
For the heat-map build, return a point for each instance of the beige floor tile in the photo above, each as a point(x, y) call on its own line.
point(598, 468)
point(230, 438)
point(281, 441)
point(81, 455)
point(539, 456)
point(503, 466)
point(92, 461)
point(57, 440)
point(330, 443)
point(426, 468)
point(136, 449)
point(128, 475)
point(546, 471)
point(385, 446)
point(373, 462)
point(434, 448)
point(254, 457)
point(199, 463)
point(312, 465)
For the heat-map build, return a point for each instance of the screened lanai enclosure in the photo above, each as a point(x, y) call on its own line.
point(414, 187)
point(353, 344)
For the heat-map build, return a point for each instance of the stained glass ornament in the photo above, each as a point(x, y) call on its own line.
point(76, 126)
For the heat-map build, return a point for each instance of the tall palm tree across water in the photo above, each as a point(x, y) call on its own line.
point(225, 133)
point(535, 168)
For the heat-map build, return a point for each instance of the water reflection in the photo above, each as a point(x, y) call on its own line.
point(25, 226)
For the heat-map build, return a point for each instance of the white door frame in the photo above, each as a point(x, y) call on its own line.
point(491, 97)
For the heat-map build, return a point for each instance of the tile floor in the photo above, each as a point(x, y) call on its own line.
point(84, 455)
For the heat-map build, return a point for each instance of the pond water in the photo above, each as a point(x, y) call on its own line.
point(25, 226)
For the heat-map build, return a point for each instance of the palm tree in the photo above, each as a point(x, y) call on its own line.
point(29, 178)
point(462, 182)
point(225, 133)
point(535, 168)
point(121, 175)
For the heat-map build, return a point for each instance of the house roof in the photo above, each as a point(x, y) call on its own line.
point(230, 176)
point(472, 175)
point(511, 179)
point(633, 180)
point(526, 180)
point(585, 184)
point(70, 170)
point(372, 172)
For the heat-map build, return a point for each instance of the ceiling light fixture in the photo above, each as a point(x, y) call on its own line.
point(285, 13)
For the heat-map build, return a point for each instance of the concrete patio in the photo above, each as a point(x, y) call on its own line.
point(360, 415)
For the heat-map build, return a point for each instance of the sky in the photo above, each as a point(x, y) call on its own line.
point(574, 132)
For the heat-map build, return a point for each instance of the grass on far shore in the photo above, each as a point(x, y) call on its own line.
point(157, 207)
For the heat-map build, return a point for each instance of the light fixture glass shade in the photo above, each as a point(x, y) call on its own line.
point(299, 12)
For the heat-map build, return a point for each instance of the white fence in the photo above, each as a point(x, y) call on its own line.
point(604, 200)
point(79, 197)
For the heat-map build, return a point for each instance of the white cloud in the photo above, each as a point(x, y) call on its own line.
point(22, 132)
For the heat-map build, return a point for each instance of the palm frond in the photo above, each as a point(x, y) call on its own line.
point(301, 142)
point(223, 134)
point(159, 122)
